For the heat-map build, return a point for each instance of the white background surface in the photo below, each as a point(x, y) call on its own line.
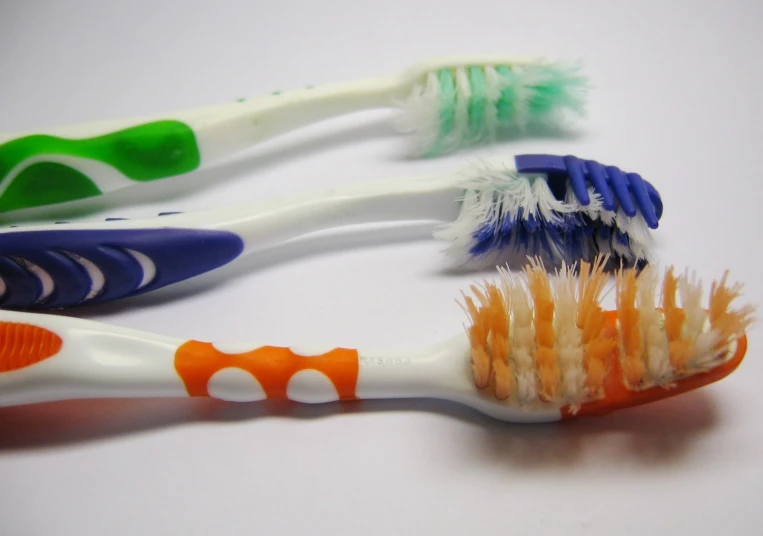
point(677, 99)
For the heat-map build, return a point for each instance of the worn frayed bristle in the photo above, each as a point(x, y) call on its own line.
point(478, 334)
point(546, 355)
point(463, 106)
point(507, 217)
point(727, 323)
point(591, 320)
point(538, 338)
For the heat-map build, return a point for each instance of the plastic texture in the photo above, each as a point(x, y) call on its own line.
point(617, 188)
point(53, 269)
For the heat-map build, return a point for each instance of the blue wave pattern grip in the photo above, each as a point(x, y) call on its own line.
point(177, 254)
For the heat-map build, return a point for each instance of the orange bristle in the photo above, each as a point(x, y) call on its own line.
point(674, 317)
point(478, 339)
point(597, 354)
point(546, 355)
point(499, 341)
point(729, 323)
point(679, 348)
point(630, 333)
point(503, 379)
point(591, 319)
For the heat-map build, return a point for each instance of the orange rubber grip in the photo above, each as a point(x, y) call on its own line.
point(23, 345)
point(272, 366)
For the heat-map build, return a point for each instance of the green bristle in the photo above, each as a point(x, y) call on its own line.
point(447, 102)
point(558, 88)
point(506, 105)
point(477, 102)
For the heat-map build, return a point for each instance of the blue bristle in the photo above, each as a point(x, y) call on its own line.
point(484, 239)
point(543, 238)
point(553, 235)
point(572, 235)
point(507, 226)
point(532, 223)
point(622, 238)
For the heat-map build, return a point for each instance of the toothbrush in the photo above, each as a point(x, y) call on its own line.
point(561, 208)
point(446, 102)
point(537, 349)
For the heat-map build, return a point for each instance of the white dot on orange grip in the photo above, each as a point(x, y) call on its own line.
point(312, 387)
point(235, 385)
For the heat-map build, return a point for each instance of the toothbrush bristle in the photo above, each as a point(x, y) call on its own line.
point(546, 354)
point(506, 216)
point(471, 104)
point(629, 316)
point(725, 321)
point(537, 338)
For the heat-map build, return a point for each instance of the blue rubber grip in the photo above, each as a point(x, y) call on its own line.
point(177, 254)
point(628, 190)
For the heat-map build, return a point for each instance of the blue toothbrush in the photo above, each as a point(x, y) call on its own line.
point(561, 209)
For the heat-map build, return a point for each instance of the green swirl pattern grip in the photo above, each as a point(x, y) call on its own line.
point(146, 152)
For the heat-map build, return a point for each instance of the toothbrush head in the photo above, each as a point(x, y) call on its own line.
point(540, 342)
point(457, 103)
point(560, 209)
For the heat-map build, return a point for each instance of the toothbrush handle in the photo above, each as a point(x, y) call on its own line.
point(81, 161)
point(65, 265)
point(45, 358)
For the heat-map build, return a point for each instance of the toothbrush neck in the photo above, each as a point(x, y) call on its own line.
point(227, 129)
point(275, 221)
point(434, 372)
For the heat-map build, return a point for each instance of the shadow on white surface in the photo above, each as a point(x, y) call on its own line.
point(657, 433)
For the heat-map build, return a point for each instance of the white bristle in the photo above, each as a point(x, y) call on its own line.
point(655, 339)
point(637, 231)
point(690, 290)
point(704, 355)
point(544, 203)
point(421, 114)
point(523, 337)
point(569, 337)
